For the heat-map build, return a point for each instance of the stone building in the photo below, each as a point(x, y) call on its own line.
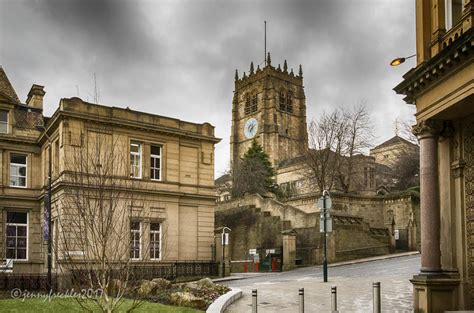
point(165, 164)
point(387, 155)
point(388, 152)
point(441, 86)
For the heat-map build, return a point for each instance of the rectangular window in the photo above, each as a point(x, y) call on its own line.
point(18, 169)
point(135, 240)
point(155, 163)
point(3, 122)
point(17, 235)
point(155, 241)
point(135, 159)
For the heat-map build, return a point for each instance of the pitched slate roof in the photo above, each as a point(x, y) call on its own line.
point(6, 88)
point(393, 141)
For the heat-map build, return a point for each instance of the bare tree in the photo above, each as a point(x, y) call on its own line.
point(407, 165)
point(357, 139)
point(98, 211)
point(334, 140)
point(326, 138)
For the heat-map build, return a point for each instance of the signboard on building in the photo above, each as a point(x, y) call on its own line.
point(397, 234)
point(252, 251)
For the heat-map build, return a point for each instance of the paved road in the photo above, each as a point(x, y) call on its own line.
point(278, 292)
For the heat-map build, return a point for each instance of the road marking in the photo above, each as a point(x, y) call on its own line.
point(304, 278)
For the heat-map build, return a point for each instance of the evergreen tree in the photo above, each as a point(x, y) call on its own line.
point(254, 172)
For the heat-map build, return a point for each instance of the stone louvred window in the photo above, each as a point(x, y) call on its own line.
point(289, 102)
point(247, 105)
point(282, 101)
point(254, 106)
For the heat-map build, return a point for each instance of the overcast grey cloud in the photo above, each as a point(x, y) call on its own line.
point(178, 58)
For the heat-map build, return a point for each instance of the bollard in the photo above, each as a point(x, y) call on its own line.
point(254, 301)
point(301, 293)
point(333, 299)
point(376, 295)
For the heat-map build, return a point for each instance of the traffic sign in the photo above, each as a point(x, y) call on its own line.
point(328, 203)
point(328, 224)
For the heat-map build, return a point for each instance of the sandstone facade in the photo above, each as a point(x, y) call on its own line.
point(441, 86)
point(173, 177)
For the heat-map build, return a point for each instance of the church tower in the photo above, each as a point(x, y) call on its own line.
point(269, 106)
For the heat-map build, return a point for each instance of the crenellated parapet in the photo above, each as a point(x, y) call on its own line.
point(268, 70)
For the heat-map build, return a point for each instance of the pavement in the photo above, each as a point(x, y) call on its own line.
point(278, 292)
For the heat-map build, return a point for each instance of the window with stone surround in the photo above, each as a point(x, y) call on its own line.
point(16, 236)
point(155, 241)
point(18, 170)
point(135, 240)
point(135, 159)
point(155, 162)
point(3, 122)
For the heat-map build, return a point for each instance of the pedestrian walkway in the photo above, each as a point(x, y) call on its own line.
point(279, 292)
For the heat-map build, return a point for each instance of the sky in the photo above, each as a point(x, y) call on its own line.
point(178, 58)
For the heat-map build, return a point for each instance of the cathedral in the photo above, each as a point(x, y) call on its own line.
point(269, 106)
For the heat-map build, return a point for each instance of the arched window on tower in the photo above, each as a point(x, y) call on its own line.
point(247, 104)
point(289, 102)
point(254, 107)
point(282, 101)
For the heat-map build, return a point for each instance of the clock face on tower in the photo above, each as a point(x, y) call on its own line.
point(250, 128)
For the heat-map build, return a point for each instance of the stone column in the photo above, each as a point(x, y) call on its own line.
point(289, 249)
point(427, 132)
point(433, 289)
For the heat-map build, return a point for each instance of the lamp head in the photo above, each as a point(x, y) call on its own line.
point(397, 61)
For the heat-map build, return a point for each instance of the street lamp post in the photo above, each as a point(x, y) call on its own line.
point(48, 209)
point(50, 244)
point(223, 238)
point(325, 227)
point(325, 261)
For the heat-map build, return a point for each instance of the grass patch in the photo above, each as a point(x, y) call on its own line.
point(70, 305)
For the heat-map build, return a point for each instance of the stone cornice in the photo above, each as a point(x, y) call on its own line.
point(67, 109)
point(418, 79)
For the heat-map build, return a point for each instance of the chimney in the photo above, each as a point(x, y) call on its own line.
point(35, 97)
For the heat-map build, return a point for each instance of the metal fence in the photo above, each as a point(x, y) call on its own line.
point(175, 270)
point(169, 270)
point(26, 281)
